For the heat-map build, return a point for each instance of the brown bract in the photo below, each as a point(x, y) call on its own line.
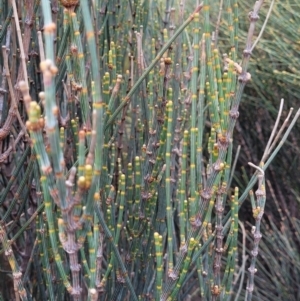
point(69, 3)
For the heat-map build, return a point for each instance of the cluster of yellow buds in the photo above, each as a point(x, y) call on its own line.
point(85, 182)
point(35, 121)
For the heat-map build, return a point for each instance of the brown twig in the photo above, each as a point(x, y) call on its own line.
point(24, 46)
point(11, 90)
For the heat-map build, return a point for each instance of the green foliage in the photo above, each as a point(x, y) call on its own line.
point(274, 70)
point(117, 170)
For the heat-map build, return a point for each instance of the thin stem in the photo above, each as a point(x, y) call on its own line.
point(16, 17)
point(264, 25)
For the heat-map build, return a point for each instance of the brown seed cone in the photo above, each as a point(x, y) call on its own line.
point(69, 3)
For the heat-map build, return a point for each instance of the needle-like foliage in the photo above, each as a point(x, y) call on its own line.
point(118, 123)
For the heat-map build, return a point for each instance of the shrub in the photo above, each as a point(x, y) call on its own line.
point(124, 159)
